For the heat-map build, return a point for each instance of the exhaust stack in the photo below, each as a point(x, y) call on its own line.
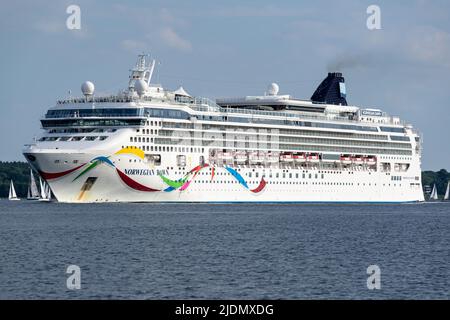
point(331, 90)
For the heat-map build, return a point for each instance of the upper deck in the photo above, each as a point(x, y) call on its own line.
point(142, 99)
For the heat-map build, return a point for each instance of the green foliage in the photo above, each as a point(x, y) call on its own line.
point(440, 178)
point(17, 171)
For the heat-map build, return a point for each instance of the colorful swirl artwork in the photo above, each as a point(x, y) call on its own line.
point(181, 184)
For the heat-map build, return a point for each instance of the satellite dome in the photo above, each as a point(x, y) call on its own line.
point(273, 89)
point(87, 88)
point(140, 86)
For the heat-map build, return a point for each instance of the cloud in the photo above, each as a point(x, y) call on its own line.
point(265, 11)
point(50, 27)
point(429, 45)
point(172, 39)
point(134, 45)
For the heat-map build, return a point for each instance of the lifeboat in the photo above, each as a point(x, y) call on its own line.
point(261, 156)
point(227, 156)
point(299, 157)
point(240, 156)
point(253, 157)
point(370, 160)
point(313, 157)
point(357, 160)
point(272, 157)
point(286, 157)
point(345, 159)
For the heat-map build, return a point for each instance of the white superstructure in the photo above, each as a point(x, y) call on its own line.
point(151, 144)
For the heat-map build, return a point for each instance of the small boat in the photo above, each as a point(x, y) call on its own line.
point(227, 156)
point(434, 195)
point(240, 156)
point(345, 159)
point(262, 156)
point(299, 157)
point(272, 157)
point(357, 160)
point(313, 157)
point(286, 157)
point(12, 192)
point(447, 192)
point(370, 160)
point(253, 157)
point(33, 193)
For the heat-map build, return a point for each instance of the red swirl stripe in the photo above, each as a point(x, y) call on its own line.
point(261, 186)
point(54, 175)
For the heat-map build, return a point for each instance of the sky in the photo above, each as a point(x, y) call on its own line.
point(230, 48)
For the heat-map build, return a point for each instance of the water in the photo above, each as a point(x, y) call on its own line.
point(190, 251)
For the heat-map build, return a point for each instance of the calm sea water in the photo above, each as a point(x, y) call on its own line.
point(189, 251)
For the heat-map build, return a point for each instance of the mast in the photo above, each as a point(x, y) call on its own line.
point(142, 71)
point(447, 192)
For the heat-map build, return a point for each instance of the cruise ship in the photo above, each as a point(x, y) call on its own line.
point(150, 144)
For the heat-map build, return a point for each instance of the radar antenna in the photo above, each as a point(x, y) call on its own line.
point(141, 71)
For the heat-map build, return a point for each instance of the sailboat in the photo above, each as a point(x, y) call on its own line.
point(12, 192)
point(434, 195)
point(33, 193)
point(447, 192)
point(46, 193)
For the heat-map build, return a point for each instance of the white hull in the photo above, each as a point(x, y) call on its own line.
point(309, 186)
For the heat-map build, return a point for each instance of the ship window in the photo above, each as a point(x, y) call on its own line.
point(103, 138)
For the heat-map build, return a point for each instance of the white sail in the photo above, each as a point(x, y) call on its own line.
point(34, 193)
point(41, 184)
point(447, 192)
point(48, 192)
point(434, 194)
point(12, 192)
